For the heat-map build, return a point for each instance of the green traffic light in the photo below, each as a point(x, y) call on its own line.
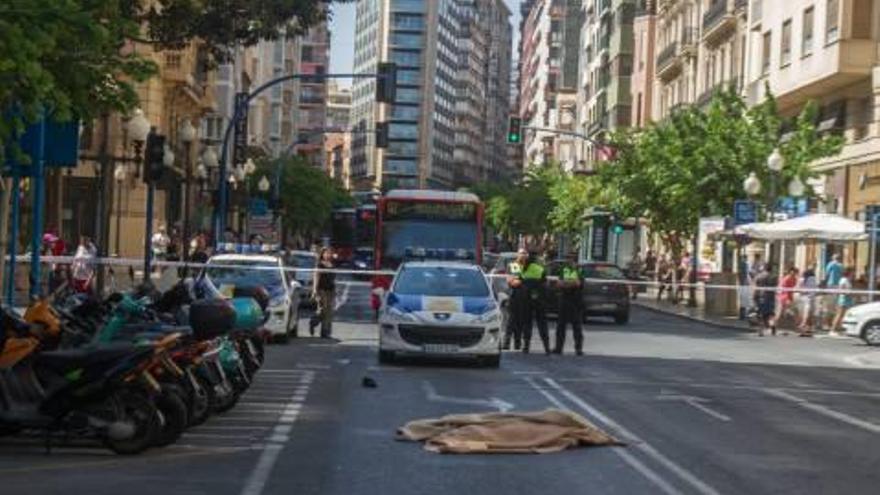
point(513, 138)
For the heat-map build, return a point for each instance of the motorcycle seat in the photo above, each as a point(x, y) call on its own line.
point(67, 359)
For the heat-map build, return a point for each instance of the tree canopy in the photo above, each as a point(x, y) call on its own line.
point(307, 194)
point(78, 57)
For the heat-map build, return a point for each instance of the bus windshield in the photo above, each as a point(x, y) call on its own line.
point(398, 236)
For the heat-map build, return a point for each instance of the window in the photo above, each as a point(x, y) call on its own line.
point(402, 112)
point(807, 41)
point(409, 95)
point(832, 20)
point(403, 131)
point(765, 53)
point(405, 40)
point(408, 76)
point(785, 44)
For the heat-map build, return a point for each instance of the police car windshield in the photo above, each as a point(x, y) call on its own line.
point(244, 273)
point(441, 282)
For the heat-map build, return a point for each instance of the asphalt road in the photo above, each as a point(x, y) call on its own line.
point(703, 410)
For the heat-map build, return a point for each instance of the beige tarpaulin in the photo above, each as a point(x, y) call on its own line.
point(505, 433)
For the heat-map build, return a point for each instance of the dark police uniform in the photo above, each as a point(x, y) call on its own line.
point(571, 309)
point(516, 309)
point(534, 279)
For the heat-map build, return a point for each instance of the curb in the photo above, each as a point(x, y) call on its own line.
point(697, 319)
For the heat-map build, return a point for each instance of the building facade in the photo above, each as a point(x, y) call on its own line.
point(442, 50)
point(825, 51)
point(337, 138)
point(605, 96)
point(644, 38)
point(549, 59)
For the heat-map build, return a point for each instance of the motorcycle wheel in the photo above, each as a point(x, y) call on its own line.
point(142, 413)
point(171, 404)
point(200, 403)
point(225, 403)
point(260, 346)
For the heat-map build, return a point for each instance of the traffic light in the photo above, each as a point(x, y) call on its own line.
point(154, 155)
point(386, 83)
point(514, 130)
point(382, 135)
point(617, 228)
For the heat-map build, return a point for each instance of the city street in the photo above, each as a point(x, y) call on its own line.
point(701, 409)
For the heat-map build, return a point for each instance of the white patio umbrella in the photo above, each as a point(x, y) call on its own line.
point(816, 227)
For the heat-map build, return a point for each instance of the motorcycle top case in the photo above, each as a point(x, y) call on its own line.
point(248, 313)
point(210, 318)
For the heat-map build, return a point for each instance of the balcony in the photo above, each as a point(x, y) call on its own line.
point(668, 62)
point(718, 21)
point(689, 40)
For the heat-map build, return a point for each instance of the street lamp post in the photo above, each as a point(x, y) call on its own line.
point(119, 174)
point(187, 134)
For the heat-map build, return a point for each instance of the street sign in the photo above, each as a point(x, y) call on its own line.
point(61, 145)
point(258, 206)
point(239, 142)
point(744, 211)
point(793, 207)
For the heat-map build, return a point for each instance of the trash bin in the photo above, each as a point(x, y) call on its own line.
point(721, 301)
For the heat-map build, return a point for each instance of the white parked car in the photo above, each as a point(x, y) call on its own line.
point(224, 272)
point(439, 308)
point(863, 322)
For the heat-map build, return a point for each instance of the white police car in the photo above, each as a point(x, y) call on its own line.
point(440, 308)
point(224, 272)
point(863, 322)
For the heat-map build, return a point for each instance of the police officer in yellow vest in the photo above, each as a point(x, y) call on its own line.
point(571, 304)
point(518, 302)
point(534, 280)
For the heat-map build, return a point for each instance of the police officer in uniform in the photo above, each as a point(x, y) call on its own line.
point(534, 279)
point(570, 306)
point(518, 302)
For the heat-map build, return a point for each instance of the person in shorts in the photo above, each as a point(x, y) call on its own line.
point(844, 299)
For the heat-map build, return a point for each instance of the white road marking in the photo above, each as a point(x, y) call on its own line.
point(256, 482)
point(492, 403)
point(647, 472)
point(695, 402)
point(825, 411)
point(687, 476)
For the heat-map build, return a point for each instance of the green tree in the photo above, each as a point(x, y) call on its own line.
point(693, 164)
point(78, 57)
point(307, 195)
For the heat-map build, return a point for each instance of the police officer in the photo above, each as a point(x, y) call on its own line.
point(517, 305)
point(570, 306)
point(534, 280)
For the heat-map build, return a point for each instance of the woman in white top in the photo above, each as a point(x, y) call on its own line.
point(808, 282)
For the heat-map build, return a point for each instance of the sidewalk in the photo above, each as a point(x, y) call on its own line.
point(649, 301)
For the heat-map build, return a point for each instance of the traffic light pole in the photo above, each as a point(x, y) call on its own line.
point(238, 112)
point(148, 238)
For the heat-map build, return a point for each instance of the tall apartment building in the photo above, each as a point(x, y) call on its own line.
point(605, 96)
point(421, 38)
point(549, 58)
point(337, 138)
point(451, 72)
point(702, 49)
point(311, 56)
point(482, 91)
point(644, 53)
point(826, 51)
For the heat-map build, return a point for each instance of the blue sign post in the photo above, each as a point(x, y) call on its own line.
point(745, 211)
point(63, 152)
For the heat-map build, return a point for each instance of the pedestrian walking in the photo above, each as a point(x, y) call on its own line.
point(833, 274)
point(534, 279)
point(159, 243)
point(787, 308)
point(844, 300)
point(570, 306)
point(650, 264)
point(765, 299)
point(664, 276)
point(807, 299)
point(83, 267)
point(517, 304)
point(324, 289)
point(744, 287)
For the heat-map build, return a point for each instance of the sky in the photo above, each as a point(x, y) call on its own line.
point(342, 36)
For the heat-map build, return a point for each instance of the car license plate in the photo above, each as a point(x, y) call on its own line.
point(440, 348)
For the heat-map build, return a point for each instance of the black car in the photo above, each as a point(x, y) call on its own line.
point(605, 292)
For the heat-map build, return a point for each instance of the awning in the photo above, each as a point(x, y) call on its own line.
point(817, 227)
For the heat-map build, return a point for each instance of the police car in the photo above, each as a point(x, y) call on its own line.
point(440, 308)
point(224, 272)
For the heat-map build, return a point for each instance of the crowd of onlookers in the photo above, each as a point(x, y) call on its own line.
point(793, 299)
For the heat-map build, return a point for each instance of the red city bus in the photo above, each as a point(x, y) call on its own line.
point(342, 233)
point(426, 224)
